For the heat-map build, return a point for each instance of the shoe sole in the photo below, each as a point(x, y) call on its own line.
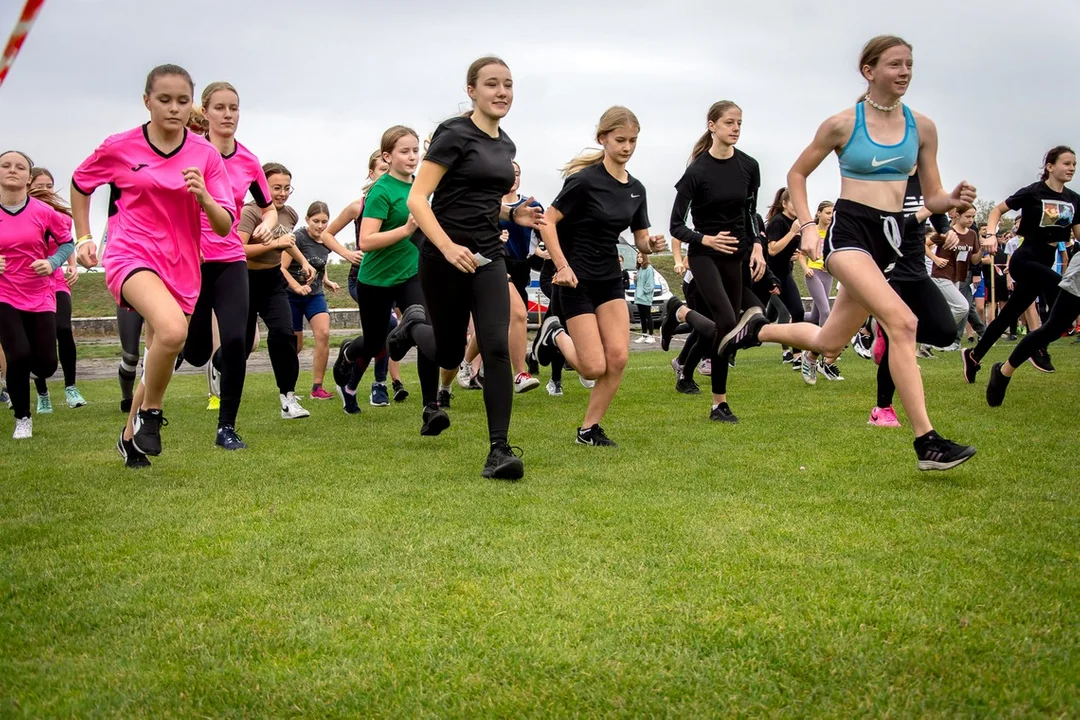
point(124, 455)
point(520, 389)
point(970, 379)
point(287, 416)
point(435, 426)
point(747, 316)
point(935, 465)
point(506, 471)
point(1042, 370)
point(375, 404)
point(341, 365)
point(537, 341)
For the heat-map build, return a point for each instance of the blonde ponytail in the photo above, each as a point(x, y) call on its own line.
point(613, 118)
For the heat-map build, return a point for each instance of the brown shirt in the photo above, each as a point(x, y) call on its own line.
point(959, 257)
point(251, 217)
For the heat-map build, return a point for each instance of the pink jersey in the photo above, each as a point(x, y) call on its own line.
point(245, 175)
point(154, 222)
point(59, 279)
point(32, 233)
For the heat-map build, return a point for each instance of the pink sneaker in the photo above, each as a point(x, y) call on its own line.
point(320, 394)
point(883, 417)
point(879, 345)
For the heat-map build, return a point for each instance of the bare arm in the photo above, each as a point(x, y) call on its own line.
point(648, 244)
point(80, 213)
point(828, 138)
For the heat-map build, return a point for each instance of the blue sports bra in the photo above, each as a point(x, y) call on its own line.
point(864, 159)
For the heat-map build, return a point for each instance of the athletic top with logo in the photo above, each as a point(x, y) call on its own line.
point(387, 201)
point(596, 208)
point(863, 159)
point(776, 229)
point(245, 176)
point(519, 245)
point(720, 196)
point(479, 172)
point(1047, 218)
point(316, 254)
point(30, 233)
point(154, 222)
point(251, 217)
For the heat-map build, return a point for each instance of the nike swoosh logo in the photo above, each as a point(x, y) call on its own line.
point(876, 163)
point(139, 167)
point(633, 196)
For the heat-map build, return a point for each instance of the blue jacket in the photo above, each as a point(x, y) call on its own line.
point(644, 285)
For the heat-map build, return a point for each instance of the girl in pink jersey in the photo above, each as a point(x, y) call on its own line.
point(42, 187)
point(163, 179)
point(224, 293)
point(30, 232)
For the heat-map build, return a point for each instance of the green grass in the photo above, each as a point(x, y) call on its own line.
point(795, 564)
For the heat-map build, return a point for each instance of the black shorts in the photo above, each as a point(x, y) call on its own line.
point(855, 226)
point(587, 296)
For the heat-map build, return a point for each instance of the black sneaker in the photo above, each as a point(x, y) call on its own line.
point(147, 438)
point(348, 401)
point(179, 361)
point(443, 398)
point(475, 383)
point(504, 463)
point(671, 322)
point(532, 363)
point(731, 359)
point(937, 453)
point(787, 357)
point(971, 365)
point(132, 457)
point(744, 334)
point(996, 388)
point(544, 347)
point(435, 420)
point(228, 439)
point(400, 393)
point(125, 405)
point(399, 341)
point(829, 370)
point(341, 365)
point(722, 413)
point(686, 386)
point(594, 436)
point(1041, 360)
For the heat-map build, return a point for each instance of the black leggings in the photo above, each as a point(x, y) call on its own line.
point(65, 343)
point(451, 295)
point(29, 342)
point(645, 316)
point(693, 349)
point(724, 296)
point(224, 292)
point(936, 327)
point(129, 325)
point(1062, 316)
point(376, 303)
point(270, 301)
point(558, 362)
point(1032, 278)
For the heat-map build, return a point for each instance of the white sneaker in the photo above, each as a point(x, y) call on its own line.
point(950, 348)
point(464, 374)
point(554, 389)
point(650, 340)
point(24, 429)
point(639, 340)
point(213, 379)
point(525, 382)
point(587, 384)
point(290, 407)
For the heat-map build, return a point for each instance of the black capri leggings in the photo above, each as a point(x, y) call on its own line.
point(65, 343)
point(936, 327)
point(269, 300)
point(1063, 314)
point(29, 342)
point(224, 292)
point(376, 303)
point(1032, 278)
point(723, 297)
point(451, 295)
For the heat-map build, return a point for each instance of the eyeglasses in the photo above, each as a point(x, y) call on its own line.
point(279, 188)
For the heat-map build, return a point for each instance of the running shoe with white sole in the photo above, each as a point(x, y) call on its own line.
point(924, 352)
point(594, 436)
point(291, 408)
point(228, 439)
point(320, 393)
point(883, 417)
point(677, 367)
point(705, 367)
point(809, 369)
point(554, 388)
point(213, 378)
point(348, 401)
point(74, 398)
point(971, 365)
point(829, 370)
point(24, 429)
point(1040, 360)
point(400, 393)
point(586, 383)
point(380, 396)
point(524, 382)
point(44, 404)
point(147, 426)
point(464, 375)
point(544, 347)
point(131, 455)
point(341, 365)
point(745, 333)
point(937, 453)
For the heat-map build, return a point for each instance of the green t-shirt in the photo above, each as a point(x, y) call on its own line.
point(393, 265)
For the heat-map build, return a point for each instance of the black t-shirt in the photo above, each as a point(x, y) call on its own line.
point(1047, 218)
point(720, 195)
point(777, 228)
point(596, 208)
point(479, 172)
point(316, 253)
point(911, 265)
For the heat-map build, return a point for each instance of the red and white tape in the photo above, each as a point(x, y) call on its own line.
point(18, 36)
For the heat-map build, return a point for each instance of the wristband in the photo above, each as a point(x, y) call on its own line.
point(806, 225)
point(559, 270)
point(83, 240)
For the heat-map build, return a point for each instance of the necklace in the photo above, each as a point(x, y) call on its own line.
point(882, 108)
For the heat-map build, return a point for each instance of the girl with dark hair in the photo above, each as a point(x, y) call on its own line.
point(154, 235)
point(1050, 215)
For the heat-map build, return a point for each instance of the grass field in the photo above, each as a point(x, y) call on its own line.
point(795, 564)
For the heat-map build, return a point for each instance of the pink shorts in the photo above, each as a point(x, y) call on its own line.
point(60, 282)
point(180, 281)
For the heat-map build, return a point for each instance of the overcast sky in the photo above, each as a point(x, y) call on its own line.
point(320, 80)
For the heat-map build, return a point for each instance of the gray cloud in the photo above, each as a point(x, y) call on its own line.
point(320, 81)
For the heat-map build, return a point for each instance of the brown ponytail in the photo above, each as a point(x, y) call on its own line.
point(716, 111)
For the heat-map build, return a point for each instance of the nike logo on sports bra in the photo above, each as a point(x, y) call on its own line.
point(878, 163)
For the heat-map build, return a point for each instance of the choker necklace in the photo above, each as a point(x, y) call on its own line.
point(882, 108)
